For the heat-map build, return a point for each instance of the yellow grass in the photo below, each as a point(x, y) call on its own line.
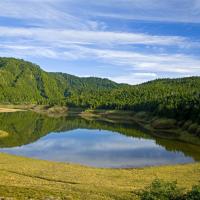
point(8, 110)
point(3, 134)
point(23, 178)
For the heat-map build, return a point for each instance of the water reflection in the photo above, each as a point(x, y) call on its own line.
point(93, 143)
point(100, 149)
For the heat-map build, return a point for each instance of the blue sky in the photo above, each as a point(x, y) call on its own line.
point(128, 41)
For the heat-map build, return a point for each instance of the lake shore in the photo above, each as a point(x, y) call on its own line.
point(36, 179)
point(9, 110)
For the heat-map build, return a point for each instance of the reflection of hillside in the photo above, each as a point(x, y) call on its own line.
point(186, 148)
point(27, 127)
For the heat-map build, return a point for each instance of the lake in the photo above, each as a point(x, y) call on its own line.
point(96, 143)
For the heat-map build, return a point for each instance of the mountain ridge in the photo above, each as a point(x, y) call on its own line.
point(17, 74)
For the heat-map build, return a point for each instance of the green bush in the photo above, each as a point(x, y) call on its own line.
point(194, 194)
point(160, 190)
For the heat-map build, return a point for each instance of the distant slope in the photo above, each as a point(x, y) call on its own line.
point(177, 98)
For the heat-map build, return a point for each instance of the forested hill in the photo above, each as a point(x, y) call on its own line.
point(23, 82)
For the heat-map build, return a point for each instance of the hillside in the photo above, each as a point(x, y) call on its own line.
point(24, 82)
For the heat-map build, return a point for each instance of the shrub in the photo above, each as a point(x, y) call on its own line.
point(161, 190)
point(194, 194)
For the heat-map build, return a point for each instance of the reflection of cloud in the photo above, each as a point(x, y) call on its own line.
point(99, 148)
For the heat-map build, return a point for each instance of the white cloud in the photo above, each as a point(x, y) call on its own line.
point(80, 15)
point(140, 67)
point(45, 13)
point(64, 36)
point(144, 62)
point(135, 78)
point(23, 51)
point(184, 11)
point(187, 11)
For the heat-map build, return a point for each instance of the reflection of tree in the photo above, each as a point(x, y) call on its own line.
point(186, 148)
point(27, 127)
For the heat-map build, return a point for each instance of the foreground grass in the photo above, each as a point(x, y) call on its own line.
point(22, 178)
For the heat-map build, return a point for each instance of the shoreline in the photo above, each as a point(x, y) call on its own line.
point(63, 163)
point(10, 110)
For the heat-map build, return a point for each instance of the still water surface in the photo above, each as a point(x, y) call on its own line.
point(91, 143)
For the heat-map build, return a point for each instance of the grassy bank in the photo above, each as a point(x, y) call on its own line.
point(23, 178)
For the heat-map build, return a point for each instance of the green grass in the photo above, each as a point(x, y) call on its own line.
point(23, 178)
